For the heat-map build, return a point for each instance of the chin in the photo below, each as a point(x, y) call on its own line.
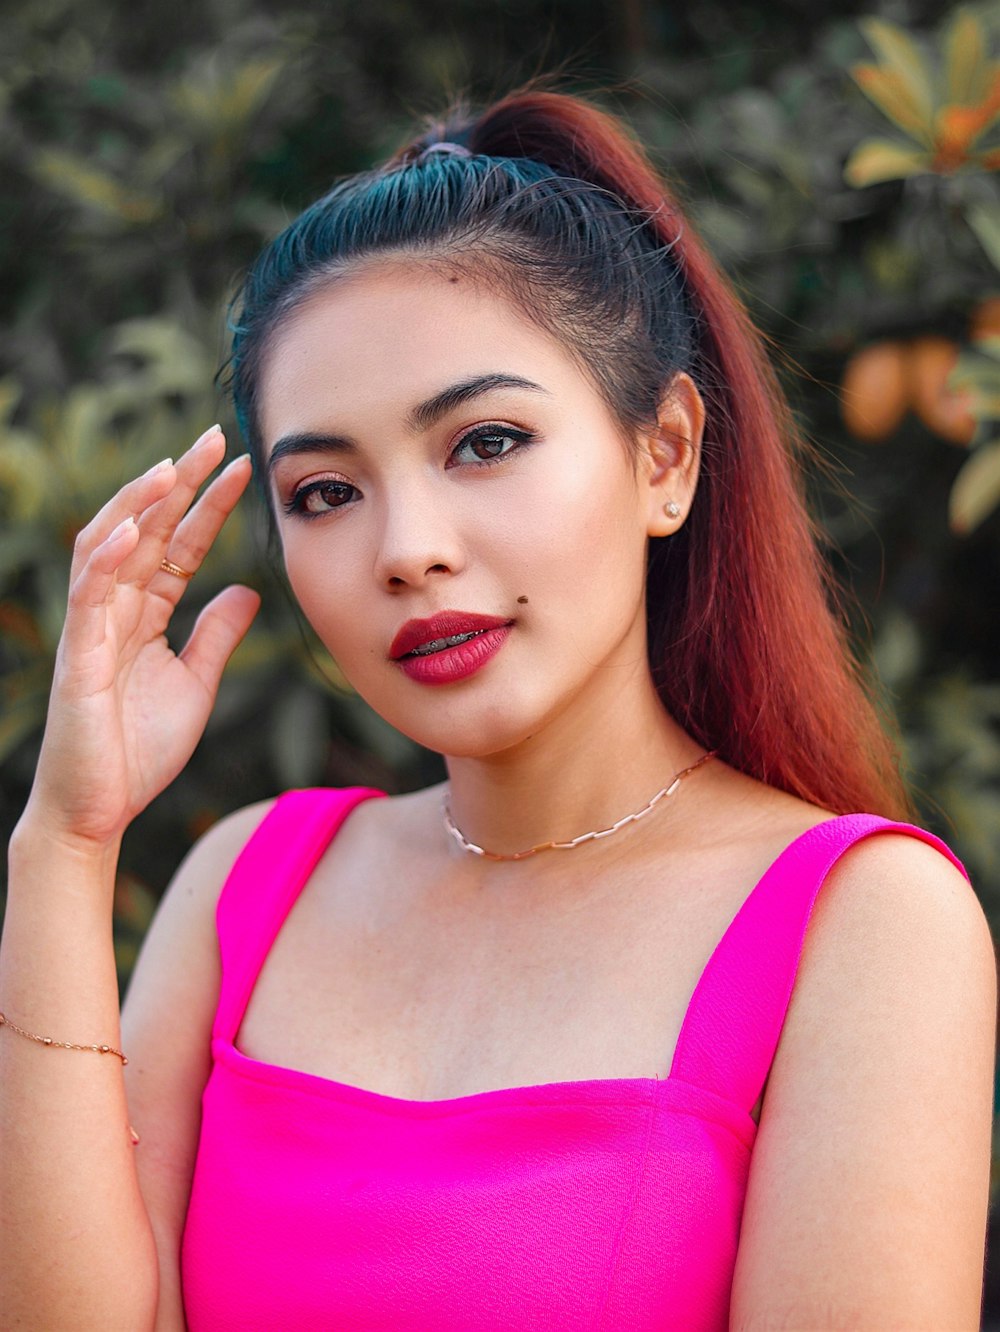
point(455, 729)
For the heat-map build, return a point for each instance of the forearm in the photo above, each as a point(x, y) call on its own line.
point(78, 1250)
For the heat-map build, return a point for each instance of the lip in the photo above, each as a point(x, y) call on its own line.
point(446, 624)
point(446, 665)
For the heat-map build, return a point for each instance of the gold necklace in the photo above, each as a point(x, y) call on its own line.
point(667, 791)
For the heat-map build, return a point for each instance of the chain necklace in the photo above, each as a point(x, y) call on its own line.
point(667, 791)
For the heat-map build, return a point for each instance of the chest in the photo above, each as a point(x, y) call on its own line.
point(414, 990)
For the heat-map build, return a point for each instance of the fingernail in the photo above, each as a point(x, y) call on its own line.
point(158, 467)
point(121, 529)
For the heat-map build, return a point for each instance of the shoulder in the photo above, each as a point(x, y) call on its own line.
point(892, 901)
point(869, 1181)
point(897, 954)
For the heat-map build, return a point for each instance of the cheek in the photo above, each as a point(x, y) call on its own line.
point(326, 587)
point(580, 531)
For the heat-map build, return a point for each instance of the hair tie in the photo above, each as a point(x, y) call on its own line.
point(444, 146)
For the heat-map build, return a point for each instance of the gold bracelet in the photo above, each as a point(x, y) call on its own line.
point(62, 1045)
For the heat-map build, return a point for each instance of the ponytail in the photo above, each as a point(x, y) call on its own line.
point(569, 217)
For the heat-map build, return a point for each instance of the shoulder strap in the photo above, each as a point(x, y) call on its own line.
point(265, 881)
point(733, 1023)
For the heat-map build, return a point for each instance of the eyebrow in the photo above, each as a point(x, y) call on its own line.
point(421, 417)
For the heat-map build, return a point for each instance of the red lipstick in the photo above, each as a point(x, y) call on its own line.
point(449, 646)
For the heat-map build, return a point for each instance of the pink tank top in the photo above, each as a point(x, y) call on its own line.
point(605, 1204)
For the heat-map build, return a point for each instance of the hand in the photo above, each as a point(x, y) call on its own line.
point(126, 712)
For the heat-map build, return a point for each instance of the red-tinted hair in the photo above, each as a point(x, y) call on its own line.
point(555, 204)
point(748, 652)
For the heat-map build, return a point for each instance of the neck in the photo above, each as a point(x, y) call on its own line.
point(586, 769)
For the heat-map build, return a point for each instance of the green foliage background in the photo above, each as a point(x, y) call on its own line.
point(147, 152)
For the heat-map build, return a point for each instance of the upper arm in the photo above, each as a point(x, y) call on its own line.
point(166, 1032)
point(867, 1199)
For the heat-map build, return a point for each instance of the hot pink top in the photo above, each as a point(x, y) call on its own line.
point(606, 1204)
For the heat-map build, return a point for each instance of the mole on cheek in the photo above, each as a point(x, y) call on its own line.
point(522, 601)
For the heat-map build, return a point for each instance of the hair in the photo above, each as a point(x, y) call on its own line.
point(555, 207)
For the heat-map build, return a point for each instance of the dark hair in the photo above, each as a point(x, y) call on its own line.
point(558, 209)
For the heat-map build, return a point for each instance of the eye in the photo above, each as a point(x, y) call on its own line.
point(490, 443)
point(320, 497)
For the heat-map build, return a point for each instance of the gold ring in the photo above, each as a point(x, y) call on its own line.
point(169, 567)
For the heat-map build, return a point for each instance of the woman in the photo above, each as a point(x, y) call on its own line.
point(525, 1051)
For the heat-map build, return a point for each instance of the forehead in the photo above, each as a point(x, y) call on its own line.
point(370, 344)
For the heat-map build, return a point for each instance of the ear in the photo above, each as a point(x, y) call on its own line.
point(672, 455)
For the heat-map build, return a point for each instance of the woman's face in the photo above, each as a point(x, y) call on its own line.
point(461, 521)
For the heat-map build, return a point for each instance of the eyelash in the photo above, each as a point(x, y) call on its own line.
point(522, 438)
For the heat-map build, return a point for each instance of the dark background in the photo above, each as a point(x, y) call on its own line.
point(147, 150)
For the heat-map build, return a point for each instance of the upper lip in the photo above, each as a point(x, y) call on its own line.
point(447, 623)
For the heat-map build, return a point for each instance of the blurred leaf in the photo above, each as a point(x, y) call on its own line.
point(975, 492)
point(877, 160)
point(978, 373)
point(984, 219)
point(902, 57)
point(968, 69)
point(10, 395)
point(85, 184)
point(172, 360)
point(25, 476)
point(217, 100)
point(989, 345)
point(893, 96)
point(897, 649)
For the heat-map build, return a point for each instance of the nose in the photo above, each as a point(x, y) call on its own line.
point(418, 540)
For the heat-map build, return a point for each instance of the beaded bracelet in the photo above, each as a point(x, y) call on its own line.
point(62, 1045)
point(70, 1045)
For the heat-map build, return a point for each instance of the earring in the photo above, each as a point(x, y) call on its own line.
point(672, 509)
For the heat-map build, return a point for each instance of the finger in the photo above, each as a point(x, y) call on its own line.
point(195, 536)
point(131, 501)
point(218, 631)
point(86, 613)
point(160, 520)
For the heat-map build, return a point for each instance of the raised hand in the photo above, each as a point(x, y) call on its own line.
point(126, 712)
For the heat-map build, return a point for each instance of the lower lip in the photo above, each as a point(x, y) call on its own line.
point(456, 663)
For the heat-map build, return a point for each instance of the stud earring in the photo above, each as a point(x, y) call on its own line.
point(672, 509)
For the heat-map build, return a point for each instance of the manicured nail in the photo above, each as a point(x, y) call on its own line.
point(205, 438)
point(121, 529)
point(158, 467)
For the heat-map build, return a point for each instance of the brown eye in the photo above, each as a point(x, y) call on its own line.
point(489, 444)
point(320, 497)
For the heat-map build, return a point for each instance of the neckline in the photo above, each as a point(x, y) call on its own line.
point(641, 1093)
point(592, 1089)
